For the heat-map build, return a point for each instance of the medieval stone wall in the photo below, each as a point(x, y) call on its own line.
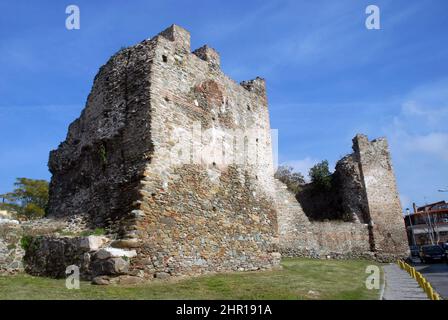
point(174, 158)
point(97, 169)
point(345, 198)
point(338, 239)
point(359, 216)
point(301, 237)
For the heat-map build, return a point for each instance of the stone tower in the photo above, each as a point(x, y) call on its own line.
point(174, 158)
point(384, 212)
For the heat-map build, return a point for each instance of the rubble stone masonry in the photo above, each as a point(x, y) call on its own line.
point(387, 233)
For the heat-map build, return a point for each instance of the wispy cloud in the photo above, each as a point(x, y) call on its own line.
point(418, 136)
point(422, 120)
point(433, 144)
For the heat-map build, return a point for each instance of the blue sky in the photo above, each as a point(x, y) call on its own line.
point(328, 77)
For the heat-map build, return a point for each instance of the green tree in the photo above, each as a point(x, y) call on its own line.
point(287, 175)
point(320, 175)
point(29, 198)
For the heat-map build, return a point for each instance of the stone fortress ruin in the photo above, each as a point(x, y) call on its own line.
point(174, 159)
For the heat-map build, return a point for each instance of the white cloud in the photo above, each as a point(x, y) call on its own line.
point(420, 128)
point(303, 165)
point(418, 137)
point(434, 143)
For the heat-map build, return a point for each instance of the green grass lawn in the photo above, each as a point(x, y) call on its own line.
point(299, 279)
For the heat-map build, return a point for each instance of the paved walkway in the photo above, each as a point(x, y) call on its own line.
point(399, 285)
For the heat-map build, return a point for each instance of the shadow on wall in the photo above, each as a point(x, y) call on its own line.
point(320, 204)
point(342, 199)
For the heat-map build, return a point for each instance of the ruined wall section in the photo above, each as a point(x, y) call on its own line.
point(348, 180)
point(388, 236)
point(97, 169)
point(204, 210)
point(363, 194)
point(344, 200)
point(338, 239)
point(300, 237)
point(296, 237)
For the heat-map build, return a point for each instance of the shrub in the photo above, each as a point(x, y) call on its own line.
point(103, 155)
point(293, 180)
point(25, 242)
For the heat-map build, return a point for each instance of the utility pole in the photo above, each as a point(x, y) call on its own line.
point(411, 226)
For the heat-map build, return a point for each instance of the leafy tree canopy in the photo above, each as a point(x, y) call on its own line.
point(320, 175)
point(29, 198)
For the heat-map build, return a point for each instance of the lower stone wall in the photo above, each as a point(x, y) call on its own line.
point(320, 204)
point(301, 238)
point(96, 259)
point(342, 239)
point(11, 252)
point(11, 234)
point(50, 256)
point(335, 240)
point(199, 221)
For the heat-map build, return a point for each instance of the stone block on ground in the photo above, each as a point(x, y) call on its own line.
point(125, 243)
point(162, 275)
point(106, 253)
point(111, 266)
point(93, 243)
point(101, 280)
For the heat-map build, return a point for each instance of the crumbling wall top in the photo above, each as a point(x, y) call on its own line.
point(179, 35)
point(208, 54)
point(361, 143)
point(257, 85)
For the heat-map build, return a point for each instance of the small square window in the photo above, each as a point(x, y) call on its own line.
point(165, 58)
